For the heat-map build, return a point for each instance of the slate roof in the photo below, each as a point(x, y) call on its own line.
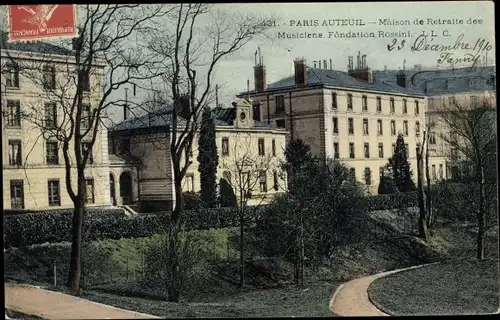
point(223, 117)
point(436, 82)
point(38, 47)
point(335, 78)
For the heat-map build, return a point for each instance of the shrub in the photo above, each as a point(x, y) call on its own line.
point(192, 200)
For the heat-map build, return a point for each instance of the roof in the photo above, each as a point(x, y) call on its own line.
point(37, 47)
point(335, 78)
point(443, 81)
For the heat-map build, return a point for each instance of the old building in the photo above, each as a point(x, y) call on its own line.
point(249, 155)
point(33, 164)
point(343, 115)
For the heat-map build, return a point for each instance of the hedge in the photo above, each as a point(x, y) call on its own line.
point(391, 201)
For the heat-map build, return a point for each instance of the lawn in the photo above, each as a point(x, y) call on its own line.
point(451, 288)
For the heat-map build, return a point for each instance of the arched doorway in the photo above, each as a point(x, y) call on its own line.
point(112, 192)
point(126, 187)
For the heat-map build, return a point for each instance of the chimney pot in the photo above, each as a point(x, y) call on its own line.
point(259, 73)
point(331, 67)
point(301, 72)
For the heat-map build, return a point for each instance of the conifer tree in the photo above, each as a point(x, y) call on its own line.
point(208, 160)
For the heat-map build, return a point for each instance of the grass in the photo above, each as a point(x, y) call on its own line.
point(451, 288)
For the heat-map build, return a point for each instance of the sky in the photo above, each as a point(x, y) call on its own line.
point(474, 20)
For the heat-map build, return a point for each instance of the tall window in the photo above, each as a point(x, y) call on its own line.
point(393, 148)
point(335, 150)
point(225, 146)
point(15, 153)
point(405, 127)
point(350, 125)
point(280, 103)
point(441, 171)
point(452, 101)
point(49, 77)
point(334, 100)
point(393, 127)
point(54, 192)
point(407, 149)
point(365, 103)
point(275, 180)
point(273, 147)
point(86, 146)
point(367, 150)
point(380, 150)
point(14, 113)
point(85, 81)
point(417, 128)
point(434, 175)
point(89, 191)
point(335, 125)
point(349, 101)
point(17, 194)
point(432, 138)
point(405, 106)
point(380, 127)
point(351, 150)
point(12, 75)
point(189, 182)
point(379, 104)
point(393, 108)
point(51, 115)
point(365, 126)
point(368, 176)
point(263, 181)
point(417, 107)
point(474, 101)
point(85, 116)
point(352, 173)
point(262, 150)
point(52, 152)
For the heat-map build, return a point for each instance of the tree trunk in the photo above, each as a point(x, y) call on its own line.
point(173, 255)
point(422, 220)
point(481, 212)
point(75, 267)
point(430, 215)
point(242, 249)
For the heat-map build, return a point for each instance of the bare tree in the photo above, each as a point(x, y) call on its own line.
point(194, 40)
point(246, 167)
point(79, 84)
point(471, 133)
point(422, 204)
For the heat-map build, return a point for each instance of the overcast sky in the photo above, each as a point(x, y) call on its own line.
point(280, 53)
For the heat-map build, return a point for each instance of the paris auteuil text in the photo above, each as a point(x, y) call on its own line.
point(327, 23)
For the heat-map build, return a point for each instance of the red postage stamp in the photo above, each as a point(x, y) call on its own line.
point(34, 22)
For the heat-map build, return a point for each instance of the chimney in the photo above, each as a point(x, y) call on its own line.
point(331, 67)
point(259, 74)
point(324, 64)
point(362, 71)
point(300, 72)
point(314, 64)
point(125, 109)
point(401, 78)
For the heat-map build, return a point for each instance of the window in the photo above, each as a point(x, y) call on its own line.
point(451, 100)
point(417, 128)
point(85, 81)
point(189, 182)
point(472, 83)
point(52, 152)
point(368, 176)
point(15, 153)
point(407, 150)
point(86, 146)
point(51, 115)
point(393, 148)
point(85, 116)
point(350, 125)
point(474, 101)
point(89, 191)
point(453, 136)
point(379, 104)
point(405, 127)
point(405, 106)
point(263, 181)
point(381, 172)
point(12, 75)
point(273, 147)
point(380, 128)
point(335, 125)
point(280, 123)
point(393, 127)
point(393, 108)
point(432, 138)
point(334, 100)
point(280, 103)
point(417, 107)
point(434, 175)
point(262, 150)
point(441, 171)
point(351, 150)
point(365, 126)
point(17, 194)
point(453, 153)
point(352, 173)
point(54, 192)
point(365, 103)
point(335, 150)
point(225, 146)
point(14, 113)
point(49, 77)
point(275, 180)
point(349, 101)
point(367, 150)
point(380, 150)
